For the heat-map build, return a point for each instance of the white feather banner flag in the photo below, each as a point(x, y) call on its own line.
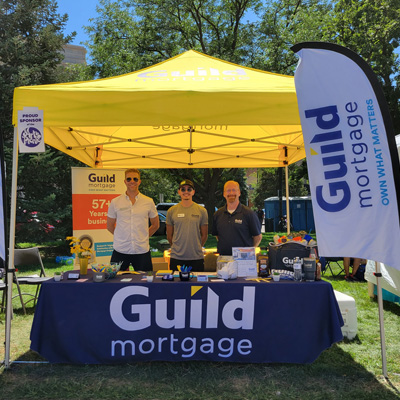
point(352, 159)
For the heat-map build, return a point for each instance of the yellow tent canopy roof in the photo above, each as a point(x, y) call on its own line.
point(191, 111)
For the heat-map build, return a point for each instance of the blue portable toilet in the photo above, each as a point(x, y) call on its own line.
point(301, 213)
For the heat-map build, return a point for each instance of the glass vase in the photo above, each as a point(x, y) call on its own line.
point(83, 265)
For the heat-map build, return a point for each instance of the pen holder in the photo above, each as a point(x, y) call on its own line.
point(185, 276)
point(99, 276)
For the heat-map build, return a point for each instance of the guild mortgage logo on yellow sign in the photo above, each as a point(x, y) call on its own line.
point(198, 74)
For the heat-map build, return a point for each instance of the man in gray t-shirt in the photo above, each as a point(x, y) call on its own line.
point(187, 229)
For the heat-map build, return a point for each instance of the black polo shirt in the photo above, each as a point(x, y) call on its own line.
point(236, 229)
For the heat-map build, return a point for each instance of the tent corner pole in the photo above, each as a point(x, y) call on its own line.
point(287, 198)
point(10, 269)
point(378, 276)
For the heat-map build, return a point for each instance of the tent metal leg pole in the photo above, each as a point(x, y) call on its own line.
point(378, 276)
point(287, 199)
point(11, 247)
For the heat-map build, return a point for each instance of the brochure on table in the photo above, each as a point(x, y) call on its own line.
point(246, 260)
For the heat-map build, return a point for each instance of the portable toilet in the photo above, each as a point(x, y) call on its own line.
point(301, 213)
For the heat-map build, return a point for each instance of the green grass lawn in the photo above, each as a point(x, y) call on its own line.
point(348, 370)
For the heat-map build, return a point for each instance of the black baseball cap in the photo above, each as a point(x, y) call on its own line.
point(186, 182)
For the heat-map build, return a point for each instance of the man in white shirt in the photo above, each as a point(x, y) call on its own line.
point(128, 220)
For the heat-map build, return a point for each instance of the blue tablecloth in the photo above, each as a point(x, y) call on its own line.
point(236, 321)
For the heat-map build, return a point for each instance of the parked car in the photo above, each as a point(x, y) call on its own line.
point(162, 230)
point(162, 208)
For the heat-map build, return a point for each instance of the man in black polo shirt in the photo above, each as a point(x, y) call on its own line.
point(235, 225)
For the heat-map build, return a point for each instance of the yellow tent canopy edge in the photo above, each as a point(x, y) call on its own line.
point(191, 111)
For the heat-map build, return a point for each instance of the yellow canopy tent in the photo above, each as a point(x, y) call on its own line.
point(191, 111)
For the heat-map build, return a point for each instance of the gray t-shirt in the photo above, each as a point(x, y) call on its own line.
point(186, 241)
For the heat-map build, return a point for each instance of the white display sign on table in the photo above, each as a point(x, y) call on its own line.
point(246, 260)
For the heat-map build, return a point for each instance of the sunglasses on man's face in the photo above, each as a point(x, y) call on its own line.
point(132, 179)
point(186, 189)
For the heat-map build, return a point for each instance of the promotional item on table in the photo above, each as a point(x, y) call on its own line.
point(294, 257)
point(289, 257)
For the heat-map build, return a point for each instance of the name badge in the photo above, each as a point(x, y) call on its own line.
point(180, 215)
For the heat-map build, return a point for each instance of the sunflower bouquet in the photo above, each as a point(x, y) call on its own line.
point(78, 249)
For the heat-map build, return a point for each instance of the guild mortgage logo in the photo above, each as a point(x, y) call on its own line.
point(289, 261)
point(168, 324)
point(141, 314)
point(101, 178)
point(101, 182)
point(198, 74)
point(353, 126)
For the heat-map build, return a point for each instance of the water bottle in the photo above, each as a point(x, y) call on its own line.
point(263, 264)
point(297, 275)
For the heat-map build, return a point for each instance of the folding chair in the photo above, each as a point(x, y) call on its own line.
point(22, 258)
point(3, 286)
point(328, 261)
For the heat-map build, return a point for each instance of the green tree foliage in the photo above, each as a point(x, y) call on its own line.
point(209, 185)
point(31, 40)
point(136, 34)
point(271, 183)
point(298, 179)
point(156, 182)
point(283, 24)
point(371, 28)
point(73, 73)
point(43, 195)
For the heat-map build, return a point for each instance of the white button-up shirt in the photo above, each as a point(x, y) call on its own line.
point(131, 235)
